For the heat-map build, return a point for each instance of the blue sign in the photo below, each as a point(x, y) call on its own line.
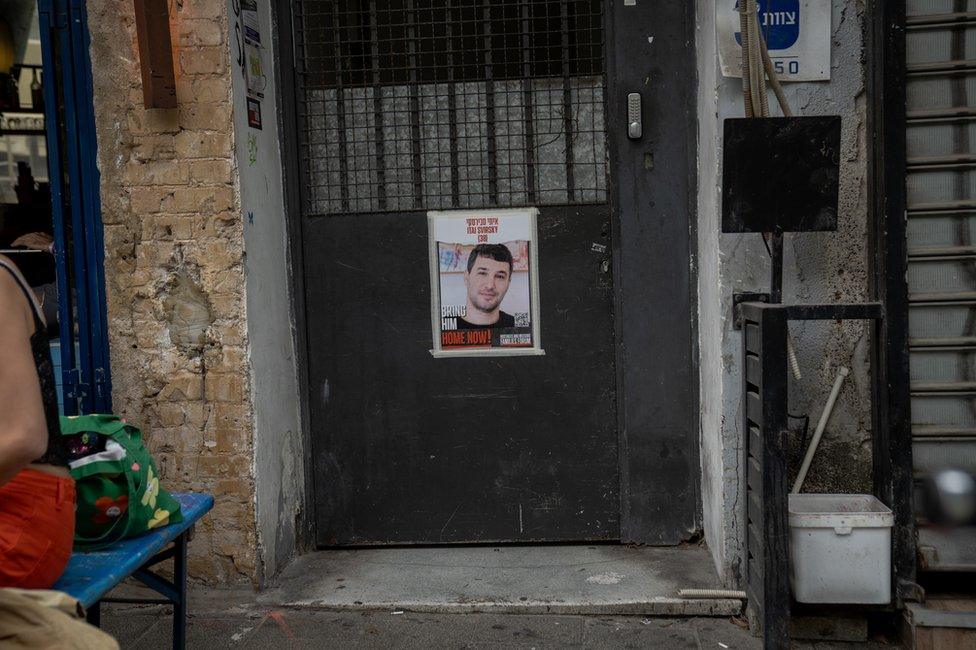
point(779, 21)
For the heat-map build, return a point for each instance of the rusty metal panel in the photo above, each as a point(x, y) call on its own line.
point(155, 53)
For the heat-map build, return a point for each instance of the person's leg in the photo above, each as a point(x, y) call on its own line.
point(31, 618)
point(36, 529)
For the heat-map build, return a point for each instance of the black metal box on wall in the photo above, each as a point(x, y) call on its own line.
point(780, 174)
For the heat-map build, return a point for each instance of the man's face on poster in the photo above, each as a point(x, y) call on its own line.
point(487, 283)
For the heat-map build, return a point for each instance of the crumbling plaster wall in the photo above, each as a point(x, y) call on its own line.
point(818, 267)
point(174, 270)
point(278, 449)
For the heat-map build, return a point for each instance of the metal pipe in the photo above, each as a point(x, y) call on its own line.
point(774, 79)
point(842, 373)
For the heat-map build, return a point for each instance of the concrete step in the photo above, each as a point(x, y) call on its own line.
point(565, 579)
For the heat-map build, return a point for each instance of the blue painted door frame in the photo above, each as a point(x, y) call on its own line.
point(76, 208)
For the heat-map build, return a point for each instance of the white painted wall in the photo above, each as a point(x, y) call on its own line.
point(278, 450)
point(818, 267)
point(710, 319)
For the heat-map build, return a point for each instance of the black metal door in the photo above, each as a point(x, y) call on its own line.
point(408, 106)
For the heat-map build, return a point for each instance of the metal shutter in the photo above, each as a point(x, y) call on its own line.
point(941, 189)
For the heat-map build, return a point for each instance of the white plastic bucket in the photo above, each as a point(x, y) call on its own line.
point(840, 548)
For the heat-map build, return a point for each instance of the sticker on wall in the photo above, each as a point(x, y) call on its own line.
point(254, 71)
point(484, 276)
point(253, 113)
point(797, 35)
point(252, 28)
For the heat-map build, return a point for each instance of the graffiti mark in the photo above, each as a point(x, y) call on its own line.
point(252, 149)
point(239, 36)
point(279, 619)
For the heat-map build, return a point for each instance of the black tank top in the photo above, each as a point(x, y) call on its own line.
point(55, 454)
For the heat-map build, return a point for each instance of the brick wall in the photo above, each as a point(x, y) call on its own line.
point(174, 270)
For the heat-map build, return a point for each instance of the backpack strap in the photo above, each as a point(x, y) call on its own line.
point(39, 321)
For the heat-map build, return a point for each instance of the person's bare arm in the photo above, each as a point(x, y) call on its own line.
point(23, 429)
point(38, 241)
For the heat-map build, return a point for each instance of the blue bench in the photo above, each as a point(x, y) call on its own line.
point(91, 575)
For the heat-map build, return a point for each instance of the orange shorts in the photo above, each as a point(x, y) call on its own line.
point(37, 528)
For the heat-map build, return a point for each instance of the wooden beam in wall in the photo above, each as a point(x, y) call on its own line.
point(155, 54)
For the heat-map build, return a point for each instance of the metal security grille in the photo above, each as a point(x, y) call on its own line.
point(431, 104)
point(941, 193)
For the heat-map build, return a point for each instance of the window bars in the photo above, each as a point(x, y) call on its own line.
point(437, 104)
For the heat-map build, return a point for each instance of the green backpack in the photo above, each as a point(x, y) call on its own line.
point(116, 481)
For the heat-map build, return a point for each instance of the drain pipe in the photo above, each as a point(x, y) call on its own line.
point(842, 373)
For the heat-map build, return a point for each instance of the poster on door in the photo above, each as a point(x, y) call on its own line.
point(484, 282)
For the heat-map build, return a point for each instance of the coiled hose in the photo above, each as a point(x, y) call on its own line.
point(711, 593)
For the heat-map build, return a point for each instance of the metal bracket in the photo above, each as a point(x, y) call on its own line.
point(101, 386)
point(71, 383)
point(741, 297)
point(910, 591)
point(62, 18)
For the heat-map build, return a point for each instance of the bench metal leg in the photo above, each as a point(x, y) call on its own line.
point(174, 592)
point(94, 614)
point(179, 580)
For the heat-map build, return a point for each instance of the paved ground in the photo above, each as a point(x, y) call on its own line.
point(523, 597)
point(320, 629)
point(235, 619)
point(143, 628)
